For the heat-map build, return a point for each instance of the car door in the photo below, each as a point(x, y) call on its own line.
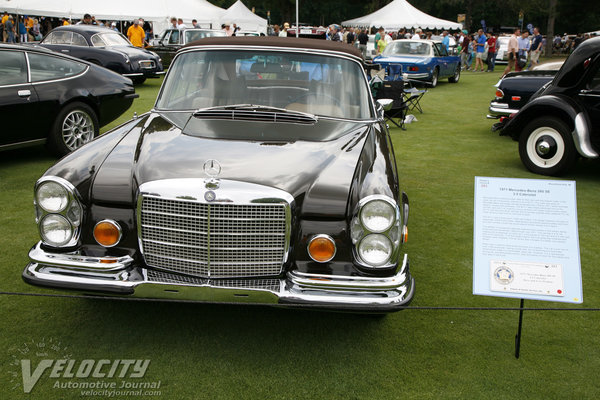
point(439, 59)
point(79, 47)
point(19, 105)
point(589, 95)
point(167, 46)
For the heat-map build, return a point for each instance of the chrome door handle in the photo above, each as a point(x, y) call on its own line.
point(24, 93)
point(65, 51)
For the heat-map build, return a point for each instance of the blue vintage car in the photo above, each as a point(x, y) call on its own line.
point(423, 60)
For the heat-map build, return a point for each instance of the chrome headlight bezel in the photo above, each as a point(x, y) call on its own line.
point(72, 211)
point(358, 232)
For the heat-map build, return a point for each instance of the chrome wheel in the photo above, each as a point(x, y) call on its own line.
point(434, 78)
point(77, 129)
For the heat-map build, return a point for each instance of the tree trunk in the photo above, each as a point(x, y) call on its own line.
point(550, 33)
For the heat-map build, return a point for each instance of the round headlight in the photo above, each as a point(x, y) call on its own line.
point(52, 196)
point(56, 230)
point(375, 249)
point(377, 215)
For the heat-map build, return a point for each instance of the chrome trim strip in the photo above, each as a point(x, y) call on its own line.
point(501, 110)
point(22, 144)
point(78, 261)
point(133, 74)
point(581, 137)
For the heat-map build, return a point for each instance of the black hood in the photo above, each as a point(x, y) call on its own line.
point(318, 174)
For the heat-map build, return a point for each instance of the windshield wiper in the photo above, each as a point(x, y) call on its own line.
point(253, 107)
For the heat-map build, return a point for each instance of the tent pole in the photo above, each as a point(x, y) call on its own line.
point(297, 20)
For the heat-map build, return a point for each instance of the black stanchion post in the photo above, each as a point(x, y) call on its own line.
point(518, 336)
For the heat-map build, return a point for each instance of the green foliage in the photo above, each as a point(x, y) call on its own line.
point(228, 352)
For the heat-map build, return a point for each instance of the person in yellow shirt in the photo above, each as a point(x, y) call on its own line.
point(2, 29)
point(66, 22)
point(136, 34)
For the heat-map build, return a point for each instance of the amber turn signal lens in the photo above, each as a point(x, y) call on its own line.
point(107, 233)
point(404, 234)
point(321, 248)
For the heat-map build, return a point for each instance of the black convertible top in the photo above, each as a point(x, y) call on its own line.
point(275, 41)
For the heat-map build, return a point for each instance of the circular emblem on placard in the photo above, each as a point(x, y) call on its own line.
point(212, 168)
point(210, 196)
point(504, 275)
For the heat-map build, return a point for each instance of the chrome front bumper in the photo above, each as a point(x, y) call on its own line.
point(120, 277)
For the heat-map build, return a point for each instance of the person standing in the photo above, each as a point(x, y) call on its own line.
point(417, 34)
point(136, 34)
point(350, 37)
point(536, 47)
point(464, 53)
point(491, 58)
point(363, 39)
point(9, 27)
point(22, 31)
point(378, 36)
point(283, 32)
point(513, 48)
point(36, 30)
point(446, 41)
point(523, 51)
point(480, 49)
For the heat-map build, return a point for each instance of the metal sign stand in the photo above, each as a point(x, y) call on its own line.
point(518, 335)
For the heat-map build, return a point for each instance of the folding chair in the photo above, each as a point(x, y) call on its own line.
point(413, 97)
point(394, 90)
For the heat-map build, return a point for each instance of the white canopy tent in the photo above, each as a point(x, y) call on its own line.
point(156, 11)
point(401, 14)
point(240, 15)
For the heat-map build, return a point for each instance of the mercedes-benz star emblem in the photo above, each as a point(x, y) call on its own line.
point(210, 196)
point(212, 168)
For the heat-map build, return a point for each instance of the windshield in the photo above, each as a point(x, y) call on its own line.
point(192, 36)
point(109, 39)
point(314, 84)
point(406, 48)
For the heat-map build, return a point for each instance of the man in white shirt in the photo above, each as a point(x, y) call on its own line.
point(417, 34)
point(180, 24)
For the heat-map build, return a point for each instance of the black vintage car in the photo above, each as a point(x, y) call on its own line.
point(264, 174)
point(173, 39)
point(562, 120)
point(105, 47)
point(515, 89)
point(48, 97)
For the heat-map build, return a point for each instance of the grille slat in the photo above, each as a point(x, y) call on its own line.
point(213, 240)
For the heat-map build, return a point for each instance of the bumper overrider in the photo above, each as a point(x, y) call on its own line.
point(122, 277)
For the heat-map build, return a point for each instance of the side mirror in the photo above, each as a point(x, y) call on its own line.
point(386, 104)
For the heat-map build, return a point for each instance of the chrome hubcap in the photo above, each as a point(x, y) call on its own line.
point(77, 129)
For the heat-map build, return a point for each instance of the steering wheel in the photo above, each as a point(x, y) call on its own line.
point(310, 94)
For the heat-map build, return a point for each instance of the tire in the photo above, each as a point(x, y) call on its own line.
point(434, 77)
point(546, 146)
point(456, 77)
point(75, 125)
point(137, 80)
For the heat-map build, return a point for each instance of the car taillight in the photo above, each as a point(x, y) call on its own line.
point(499, 94)
point(516, 98)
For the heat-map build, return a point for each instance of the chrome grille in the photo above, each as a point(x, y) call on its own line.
point(213, 240)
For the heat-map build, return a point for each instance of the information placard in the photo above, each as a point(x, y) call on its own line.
point(525, 240)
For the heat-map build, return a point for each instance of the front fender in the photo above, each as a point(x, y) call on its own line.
point(561, 107)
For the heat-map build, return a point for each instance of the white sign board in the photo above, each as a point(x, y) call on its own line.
point(526, 242)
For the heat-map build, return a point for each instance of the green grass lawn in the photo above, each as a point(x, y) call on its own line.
point(237, 352)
